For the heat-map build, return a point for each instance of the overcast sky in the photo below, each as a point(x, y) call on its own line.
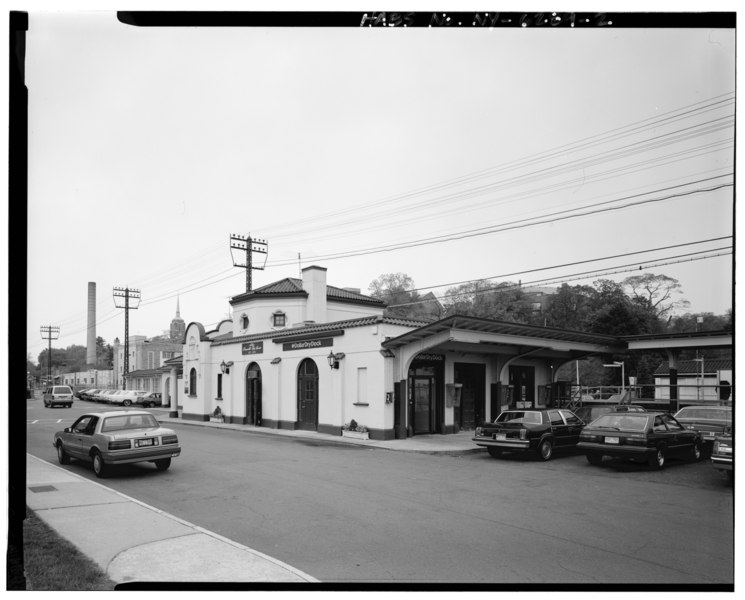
point(503, 153)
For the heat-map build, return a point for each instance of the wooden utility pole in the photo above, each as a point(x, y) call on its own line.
point(249, 245)
point(126, 293)
point(49, 332)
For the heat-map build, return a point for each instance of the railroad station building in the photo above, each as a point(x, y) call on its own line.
point(301, 354)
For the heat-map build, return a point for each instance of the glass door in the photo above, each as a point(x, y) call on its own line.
point(423, 396)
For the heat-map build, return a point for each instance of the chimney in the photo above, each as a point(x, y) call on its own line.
point(314, 283)
point(91, 350)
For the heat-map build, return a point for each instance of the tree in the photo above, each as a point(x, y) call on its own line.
point(504, 301)
point(399, 293)
point(569, 307)
point(659, 292)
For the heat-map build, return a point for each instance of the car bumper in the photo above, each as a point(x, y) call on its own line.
point(616, 451)
point(721, 463)
point(514, 445)
point(122, 457)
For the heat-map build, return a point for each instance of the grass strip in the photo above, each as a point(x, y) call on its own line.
point(53, 563)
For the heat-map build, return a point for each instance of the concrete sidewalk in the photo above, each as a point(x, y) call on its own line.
point(133, 542)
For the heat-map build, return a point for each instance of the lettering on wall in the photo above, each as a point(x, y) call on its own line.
point(308, 344)
point(252, 348)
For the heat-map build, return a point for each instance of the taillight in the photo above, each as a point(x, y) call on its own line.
point(523, 434)
point(169, 439)
point(120, 445)
point(636, 439)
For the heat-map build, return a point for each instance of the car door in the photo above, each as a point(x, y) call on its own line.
point(574, 426)
point(87, 438)
point(681, 439)
point(73, 441)
point(558, 427)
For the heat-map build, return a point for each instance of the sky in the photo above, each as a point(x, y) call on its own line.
point(540, 155)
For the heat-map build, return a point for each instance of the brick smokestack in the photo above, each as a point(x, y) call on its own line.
point(91, 353)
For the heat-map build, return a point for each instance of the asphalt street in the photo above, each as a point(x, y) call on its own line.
point(355, 514)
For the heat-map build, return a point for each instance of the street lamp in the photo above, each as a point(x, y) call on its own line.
point(621, 364)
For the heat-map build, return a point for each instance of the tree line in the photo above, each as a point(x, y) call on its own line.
point(72, 359)
point(637, 305)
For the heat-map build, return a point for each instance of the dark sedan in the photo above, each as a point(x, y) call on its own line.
point(539, 431)
point(643, 436)
point(710, 421)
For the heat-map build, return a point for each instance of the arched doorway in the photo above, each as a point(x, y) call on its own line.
point(307, 395)
point(253, 394)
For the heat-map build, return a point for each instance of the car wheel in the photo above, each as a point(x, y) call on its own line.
point(546, 449)
point(658, 460)
point(163, 464)
point(494, 452)
point(99, 468)
point(696, 451)
point(127, 403)
point(62, 456)
point(594, 459)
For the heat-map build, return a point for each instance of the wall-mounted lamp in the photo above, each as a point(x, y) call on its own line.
point(276, 361)
point(334, 359)
point(225, 366)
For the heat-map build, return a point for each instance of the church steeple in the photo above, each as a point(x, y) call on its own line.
point(178, 327)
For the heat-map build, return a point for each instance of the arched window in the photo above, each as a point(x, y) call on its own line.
point(193, 382)
point(244, 322)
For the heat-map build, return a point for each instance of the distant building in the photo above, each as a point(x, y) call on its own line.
point(693, 386)
point(149, 354)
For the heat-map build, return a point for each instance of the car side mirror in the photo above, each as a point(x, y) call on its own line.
point(67, 430)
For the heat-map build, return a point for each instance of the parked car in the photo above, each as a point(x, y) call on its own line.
point(106, 396)
point(77, 393)
point(536, 430)
point(58, 394)
point(592, 412)
point(100, 395)
point(710, 421)
point(89, 393)
point(642, 436)
point(150, 399)
point(126, 397)
point(723, 455)
point(115, 438)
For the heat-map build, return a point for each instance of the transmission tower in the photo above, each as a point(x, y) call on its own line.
point(249, 245)
point(126, 293)
point(49, 332)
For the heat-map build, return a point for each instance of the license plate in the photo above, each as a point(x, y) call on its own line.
point(611, 440)
point(500, 436)
point(145, 442)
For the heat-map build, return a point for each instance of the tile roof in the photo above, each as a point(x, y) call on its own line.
point(692, 367)
point(291, 286)
point(316, 328)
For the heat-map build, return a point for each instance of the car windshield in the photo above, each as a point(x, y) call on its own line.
point(622, 421)
point(130, 421)
point(711, 414)
point(518, 416)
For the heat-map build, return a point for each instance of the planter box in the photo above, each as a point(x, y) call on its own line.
point(358, 435)
point(217, 419)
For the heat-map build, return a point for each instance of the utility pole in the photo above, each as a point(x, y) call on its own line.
point(49, 332)
point(126, 293)
point(249, 245)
